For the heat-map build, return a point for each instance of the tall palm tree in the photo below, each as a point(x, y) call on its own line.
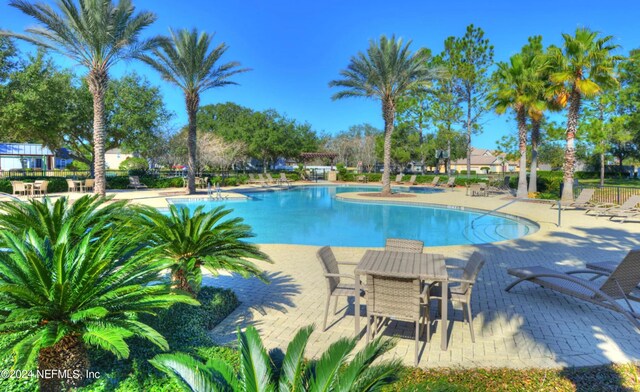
point(96, 34)
point(257, 371)
point(581, 68)
point(388, 71)
point(192, 240)
point(512, 91)
point(79, 290)
point(187, 60)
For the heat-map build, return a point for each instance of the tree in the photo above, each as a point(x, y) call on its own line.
point(468, 59)
point(187, 60)
point(581, 68)
point(97, 35)
point(215, 152)
point(65, 289)
point(387, 72)
point(8, 61)
point(259, 372)
point(192, 240)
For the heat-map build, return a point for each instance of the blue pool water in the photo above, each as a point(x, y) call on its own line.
point(313, 216)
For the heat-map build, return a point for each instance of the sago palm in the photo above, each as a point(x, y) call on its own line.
point(581, 68)
point(59, 297)
point(187, 60)
point(96, 34)
point(387, 72)
point(258, 372)
point(192, 240)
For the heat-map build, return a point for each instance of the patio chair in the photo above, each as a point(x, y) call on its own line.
point(134, 182)
point(436, 181)
point(18, 188)
point(270, 179)
point(583, 201)
point(261, 179)
point(478, 189)
point(283, 179)
point(402, 245)
point(398, 179)
point(74, 186)
point(612, 210)
point(362, 178)
point(335, 287)
point(399, 299)
point(451, 182)
point(619, 285)
point(412, 180)
point(253, 179)
point(89, 184)
point(461, 290)
point(40, 187)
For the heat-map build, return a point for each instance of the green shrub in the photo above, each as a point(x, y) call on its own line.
point(77, 166)
point(133, 163)
point(231, 181)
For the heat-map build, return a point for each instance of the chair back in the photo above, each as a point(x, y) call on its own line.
point(631, 202)
point(18, 186)
point(625, 277)
point(393, 297)
point(436, 180)
point(260, 177)
point(399, 178)
point(402, 245)
point(269, 177)
point(329, 266)
point(251, 177)
point(412, 180)
point(471, 270)
point(134, 180)
point(89, 183)
point(70, 183)
point(43, 185)
point(507, 182)
point(283, 177)
point(451, 181)
point(585, 195)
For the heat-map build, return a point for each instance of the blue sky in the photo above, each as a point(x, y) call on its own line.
point(296, 47)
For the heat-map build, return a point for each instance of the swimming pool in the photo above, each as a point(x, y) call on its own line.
point(313, 216)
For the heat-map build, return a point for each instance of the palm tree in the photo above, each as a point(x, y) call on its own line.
point(96, 34)
point(185, 59)
point(81, 290)
point(192, 240)
point(388, 71)
point(581, 68)
point(512, 91)
point(258, 373)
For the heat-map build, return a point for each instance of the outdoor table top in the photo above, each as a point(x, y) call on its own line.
point(426, 266)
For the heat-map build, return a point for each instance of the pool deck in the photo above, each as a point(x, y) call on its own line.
point(528, 327)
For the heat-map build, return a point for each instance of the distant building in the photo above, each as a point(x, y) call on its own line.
point(485, 161)
point(21, 156)
point(115, 156)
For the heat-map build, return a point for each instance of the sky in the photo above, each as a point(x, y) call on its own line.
point(295, 47)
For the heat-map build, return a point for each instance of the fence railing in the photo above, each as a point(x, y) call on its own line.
point(612, 194)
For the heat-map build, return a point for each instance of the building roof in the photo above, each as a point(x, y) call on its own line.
point(482, 156)
point(24, 149)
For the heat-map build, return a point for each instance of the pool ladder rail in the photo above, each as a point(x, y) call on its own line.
point(218, 193)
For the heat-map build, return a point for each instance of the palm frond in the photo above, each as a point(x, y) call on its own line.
point(188, 372)
point(255, 365)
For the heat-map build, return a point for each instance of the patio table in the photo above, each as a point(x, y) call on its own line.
point(425, 266)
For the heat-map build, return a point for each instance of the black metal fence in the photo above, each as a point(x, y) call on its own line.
point(611, 194)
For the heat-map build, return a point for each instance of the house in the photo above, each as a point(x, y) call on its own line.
point(115, 156)
point(485, 161)
point(20, 156)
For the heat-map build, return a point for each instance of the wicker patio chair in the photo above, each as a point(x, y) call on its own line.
point(335, 287)
point(18, 188)
point(460, 290)
point(402, 245)
point(399, 299)
point(619, 284)
point(583, 201)
point(134, 182)
point(89, 184)
point(73, 186)
point(40, 187)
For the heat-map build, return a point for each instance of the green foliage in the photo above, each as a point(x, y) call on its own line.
point(260, 371)
point(192, 240)
point(77, 166)
point(133, 163)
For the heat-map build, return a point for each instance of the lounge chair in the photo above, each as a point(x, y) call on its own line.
point(619, 285)
point(40, 187)
point(583, 201)
point(478, 189)
point(88, 184)
point(270, 179)
point(451, 182)
point(629, 206)
point(398, 179)
point(362, 178)
point(253, 179)
point(412, 180)
point(261, 180)
point(399, 299)
point(283, 179)
point(18, 188)
point(74, 186)
point(461, 290)
point(335, 287)
point(436, 181)
point(402, 245)
point(134, 182)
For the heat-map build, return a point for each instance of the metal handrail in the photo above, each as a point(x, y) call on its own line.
point(494, 210)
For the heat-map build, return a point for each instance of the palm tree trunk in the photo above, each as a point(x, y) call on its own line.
point(97, 80)
point(602, 169)
point(193, 102)
point(535, 139)
point(522, 139)
point(388, 114)
point(570, 150)
point(67, 362)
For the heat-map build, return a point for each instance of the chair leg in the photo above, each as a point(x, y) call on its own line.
point(326, 312)
point(470, 320)
point(369, 331)
point(335, 306)
point(415, 362)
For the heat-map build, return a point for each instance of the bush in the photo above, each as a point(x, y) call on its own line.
point(133, 163)
point(77, 166)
